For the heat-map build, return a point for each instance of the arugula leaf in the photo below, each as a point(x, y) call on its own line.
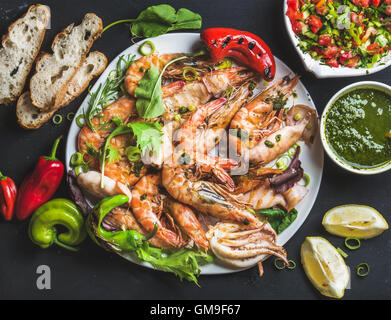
point(288, 219)
point(160, 19)
point(149, 94)
point(149, 135)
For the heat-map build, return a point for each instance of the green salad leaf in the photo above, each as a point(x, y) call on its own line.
point(149, 135)
point(160, 19)
point(279, 219)
point(149, 94)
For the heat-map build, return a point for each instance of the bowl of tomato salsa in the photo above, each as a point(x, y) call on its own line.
point(356, 127)
point(340, 38)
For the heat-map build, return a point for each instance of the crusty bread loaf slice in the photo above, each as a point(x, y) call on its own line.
point(20, 48)
point(54, 71)
point(30, 117)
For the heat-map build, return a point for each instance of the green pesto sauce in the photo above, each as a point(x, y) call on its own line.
point(357, 125)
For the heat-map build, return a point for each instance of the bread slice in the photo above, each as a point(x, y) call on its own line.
point(20, 48)
point(30, 117)
point(49, 84)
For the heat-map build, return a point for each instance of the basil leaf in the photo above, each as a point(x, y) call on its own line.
point(279, 219)
point(149, 135)
point(187, 19)
point(149, 94)
point(154, 21)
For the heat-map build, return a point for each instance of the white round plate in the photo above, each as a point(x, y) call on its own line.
point(324, 71)
point(311, 157)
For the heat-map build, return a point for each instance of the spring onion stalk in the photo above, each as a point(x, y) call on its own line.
point(70, 116)
point(342, 253)
point(291, 265)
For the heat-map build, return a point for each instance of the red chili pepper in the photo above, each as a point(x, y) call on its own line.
point(8, 193)
point(376, 2)
point(39, 186)
point(244, 46)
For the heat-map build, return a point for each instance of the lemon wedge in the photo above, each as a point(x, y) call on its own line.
point(324, 266)
point(354, 220)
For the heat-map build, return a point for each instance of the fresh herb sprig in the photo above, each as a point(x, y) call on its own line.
point(107, 93)
point(160, 19)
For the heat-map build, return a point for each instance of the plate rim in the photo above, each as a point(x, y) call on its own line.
point(283, 238)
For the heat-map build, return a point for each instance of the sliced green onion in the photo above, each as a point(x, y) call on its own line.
point(190, 70)
point(306, 179)
point(191, 108)
point(279, 264)
point(342, 253)
point(250, 210)
point(278, 138)
point(147, 48)
point(70, 116)
point(291, 265)
point(352, 247)
point(177, 117)
point(183, 110)
point(80, 121)
point(363, 269)
point(57, 119)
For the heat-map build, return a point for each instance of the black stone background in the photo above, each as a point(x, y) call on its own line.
point(93, 273)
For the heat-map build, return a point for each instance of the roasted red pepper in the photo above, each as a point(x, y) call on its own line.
point(39, 186)
point(8, 193)
point(244, 46)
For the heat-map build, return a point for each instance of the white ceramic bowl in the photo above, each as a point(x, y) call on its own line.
point(322, 71)
point(363, 84)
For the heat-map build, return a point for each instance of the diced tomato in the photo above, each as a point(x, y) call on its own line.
point(325, 40)
point(293, 4)
point(333, 63)
point(363, 3)
point(330, 52)
point(351, 63)
point(321, 8)
point(315, 23)
point(388, 10)
point(357, 18)
point(345, 56)
point(375, 48)
point(387, 1)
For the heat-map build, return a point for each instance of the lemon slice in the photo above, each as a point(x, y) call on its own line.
point(324, 266)
point(354, 220)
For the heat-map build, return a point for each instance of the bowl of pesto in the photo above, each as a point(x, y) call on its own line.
point(356, 127)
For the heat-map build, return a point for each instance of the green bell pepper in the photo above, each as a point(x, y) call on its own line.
point(42, 228)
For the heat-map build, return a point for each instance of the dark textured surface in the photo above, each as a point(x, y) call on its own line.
point(96, 274)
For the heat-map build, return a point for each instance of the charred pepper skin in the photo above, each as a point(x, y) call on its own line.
point(39, 186)
point(8, 192)
point(244, 46)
